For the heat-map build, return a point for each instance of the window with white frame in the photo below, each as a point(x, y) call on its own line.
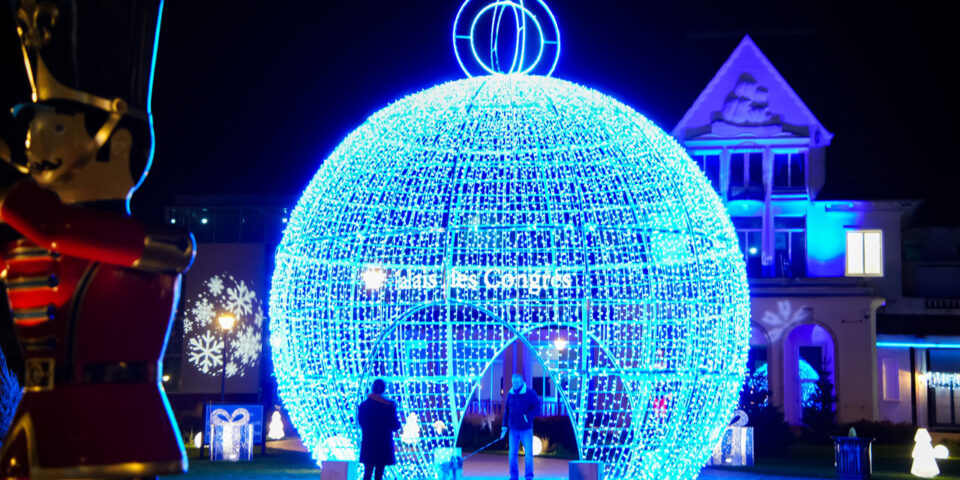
point(864, 253)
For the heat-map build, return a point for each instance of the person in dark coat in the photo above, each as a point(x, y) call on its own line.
point(377, 416)
point(519, 410)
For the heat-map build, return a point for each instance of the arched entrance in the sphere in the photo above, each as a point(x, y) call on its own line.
point(531, 357)
point(434, 357)
point(809, 352)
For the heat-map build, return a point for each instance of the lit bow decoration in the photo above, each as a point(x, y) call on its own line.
point(239, 417)
point(740, 419)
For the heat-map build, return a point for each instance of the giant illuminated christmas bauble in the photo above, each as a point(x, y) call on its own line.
point(502, 209)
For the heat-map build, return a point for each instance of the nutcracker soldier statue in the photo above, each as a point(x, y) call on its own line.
point(91, 289)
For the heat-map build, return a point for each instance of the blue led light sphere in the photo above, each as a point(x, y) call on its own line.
point(504, 209)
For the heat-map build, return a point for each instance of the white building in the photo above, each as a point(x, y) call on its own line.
point(824, 272)
point(845, 286)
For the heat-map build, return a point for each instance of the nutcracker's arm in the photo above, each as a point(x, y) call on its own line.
point(107, 237)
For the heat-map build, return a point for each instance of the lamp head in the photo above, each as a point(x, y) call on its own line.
point(226, 321)
point(374, 277)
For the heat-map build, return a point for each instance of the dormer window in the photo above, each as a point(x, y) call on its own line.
point(789, 170)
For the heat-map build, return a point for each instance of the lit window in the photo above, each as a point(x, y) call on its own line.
point(865, 253)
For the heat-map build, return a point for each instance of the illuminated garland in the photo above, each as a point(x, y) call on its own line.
point(943, 380)
point(477, 212)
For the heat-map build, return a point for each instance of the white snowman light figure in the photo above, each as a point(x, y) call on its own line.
point(410, 434)
point(925, 455)
point(276, 427)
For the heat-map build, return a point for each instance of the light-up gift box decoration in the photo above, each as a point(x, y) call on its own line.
point(736, 445)
point(232, 436)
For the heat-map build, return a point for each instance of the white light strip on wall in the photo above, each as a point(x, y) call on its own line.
point(943, 380)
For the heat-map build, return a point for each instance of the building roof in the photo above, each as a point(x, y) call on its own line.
point(779, 102)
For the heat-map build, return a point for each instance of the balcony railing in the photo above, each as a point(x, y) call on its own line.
point(749, 192)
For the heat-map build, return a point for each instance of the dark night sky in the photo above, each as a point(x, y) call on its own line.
point(250, 95)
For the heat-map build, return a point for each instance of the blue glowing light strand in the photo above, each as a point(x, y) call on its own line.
point(495, 38)
point(492, 70)
point(918, 345)
point(528, 176)
point(153, 139)
point(465, 37)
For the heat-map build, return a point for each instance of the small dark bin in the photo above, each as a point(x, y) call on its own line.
point(853, 457)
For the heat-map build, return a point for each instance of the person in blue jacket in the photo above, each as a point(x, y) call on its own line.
point(519, 410)
point(377, 416)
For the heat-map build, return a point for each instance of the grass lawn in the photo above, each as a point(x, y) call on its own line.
point(277, 464)
point(890, 462)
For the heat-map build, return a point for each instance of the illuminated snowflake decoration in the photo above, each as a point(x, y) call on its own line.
point(201, 315)
point(206, 352)
point(240, 299)
point(248, 345)
point(223, 294)
point(514, 208)
point(215, 285)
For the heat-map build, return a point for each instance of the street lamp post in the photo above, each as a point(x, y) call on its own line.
point(226, 322)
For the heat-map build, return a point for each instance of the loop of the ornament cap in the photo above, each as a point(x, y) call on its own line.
point(459, 37)
point(473, 44)
point(519, 47)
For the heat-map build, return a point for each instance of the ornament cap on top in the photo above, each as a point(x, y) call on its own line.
point(504, 37)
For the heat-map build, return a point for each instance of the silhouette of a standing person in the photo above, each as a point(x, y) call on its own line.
point(377, 416)
point(519, 410)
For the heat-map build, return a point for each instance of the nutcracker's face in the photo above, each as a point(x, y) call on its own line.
point(57, 144)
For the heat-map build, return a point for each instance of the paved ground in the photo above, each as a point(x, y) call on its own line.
point(477, 467)
point(288, 460)
point(297, 466)
point(494, 467)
